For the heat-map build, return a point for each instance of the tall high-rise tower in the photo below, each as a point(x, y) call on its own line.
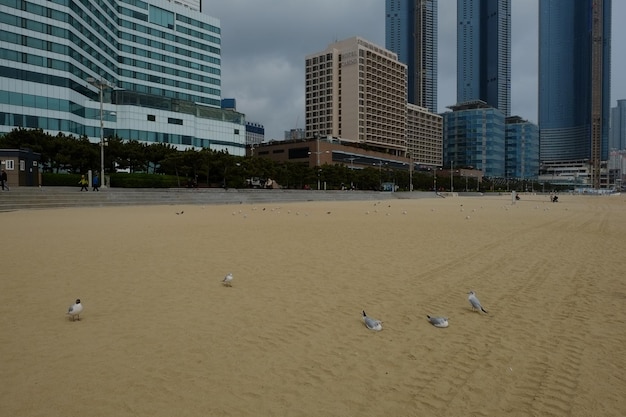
point(484, 53)
point(574, 83)
point(411, 32)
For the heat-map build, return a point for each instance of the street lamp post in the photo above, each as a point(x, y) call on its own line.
point(410, 155)
point(380, 174)
point(318, 153)
point(101, 85)
point(317, 137)
point(451, 177)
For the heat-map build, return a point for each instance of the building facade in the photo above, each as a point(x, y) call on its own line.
point(294, 134)
point(21, 167)
point(145, 70)
point(618, 127)
point(356, 90)
point(521, 149)
point(484, 53)
point(411, 32)
point(574, 84)
point(192, 4)
point(255, 133)
point(474, 137)
point(424, 135)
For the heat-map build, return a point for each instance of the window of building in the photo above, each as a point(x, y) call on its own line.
point(161, 17)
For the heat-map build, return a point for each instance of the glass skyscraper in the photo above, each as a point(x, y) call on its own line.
point(574, 82)
point(522, 148)
point(484, 52)
point(618, 126)
point(411, 32)
point(474, 137)
point(157, 62)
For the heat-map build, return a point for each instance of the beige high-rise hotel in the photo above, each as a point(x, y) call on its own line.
point(357, 91)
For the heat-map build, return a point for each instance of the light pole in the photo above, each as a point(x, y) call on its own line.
point(317, 137)
point(451, 177)
point(101, 85)
point(410, 155)
point(380, 174)
point(318, 153)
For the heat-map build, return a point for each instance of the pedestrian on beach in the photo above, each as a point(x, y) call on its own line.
point(96, 183)
point(4, 181)
point(84, 184)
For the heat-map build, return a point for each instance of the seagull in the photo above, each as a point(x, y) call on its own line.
point(75, 310)
point(438, 321)
point(474, 302)
point(177, 213)
point(372, 324)
point(228, 280)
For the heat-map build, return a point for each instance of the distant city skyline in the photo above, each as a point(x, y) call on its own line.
point(265, 72)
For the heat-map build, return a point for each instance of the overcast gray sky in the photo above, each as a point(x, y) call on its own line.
point(264, 44)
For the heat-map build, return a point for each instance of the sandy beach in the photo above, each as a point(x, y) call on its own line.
point(161, 336)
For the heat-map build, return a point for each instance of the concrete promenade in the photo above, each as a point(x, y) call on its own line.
point(56, 197)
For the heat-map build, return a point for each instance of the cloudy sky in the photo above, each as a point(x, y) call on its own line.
point(264, 44)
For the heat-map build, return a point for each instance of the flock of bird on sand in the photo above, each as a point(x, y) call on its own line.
point(437, 321)
point(373, 324)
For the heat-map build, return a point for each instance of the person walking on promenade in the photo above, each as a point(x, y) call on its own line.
point(96, 183)
point(4, 181)
point(84, 184)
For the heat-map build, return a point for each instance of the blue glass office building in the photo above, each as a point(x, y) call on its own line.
point(474, 136)
point(157, 62)
point(411, 32)
point(484, 52)
point(574, 79)
point(522, 149)
point(618, 126)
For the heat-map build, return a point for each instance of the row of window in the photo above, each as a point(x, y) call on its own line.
point(63, 125)
point(49, 31)
point(175, 48)
point(157, 16)
point(86, 51)
point(47, 79)
point(180, 63)
point(204, 38)
point(126, 97)
point(185, 19)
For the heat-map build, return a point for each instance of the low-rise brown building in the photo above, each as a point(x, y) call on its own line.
point(21, 166)
point(328, 150)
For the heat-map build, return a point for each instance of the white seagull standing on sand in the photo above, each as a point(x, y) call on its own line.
point(438, 321)
point(473, 300)
point(228, 280)
point(371, 323)
point(75, 310)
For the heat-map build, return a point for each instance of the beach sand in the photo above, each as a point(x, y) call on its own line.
point(161, 336)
